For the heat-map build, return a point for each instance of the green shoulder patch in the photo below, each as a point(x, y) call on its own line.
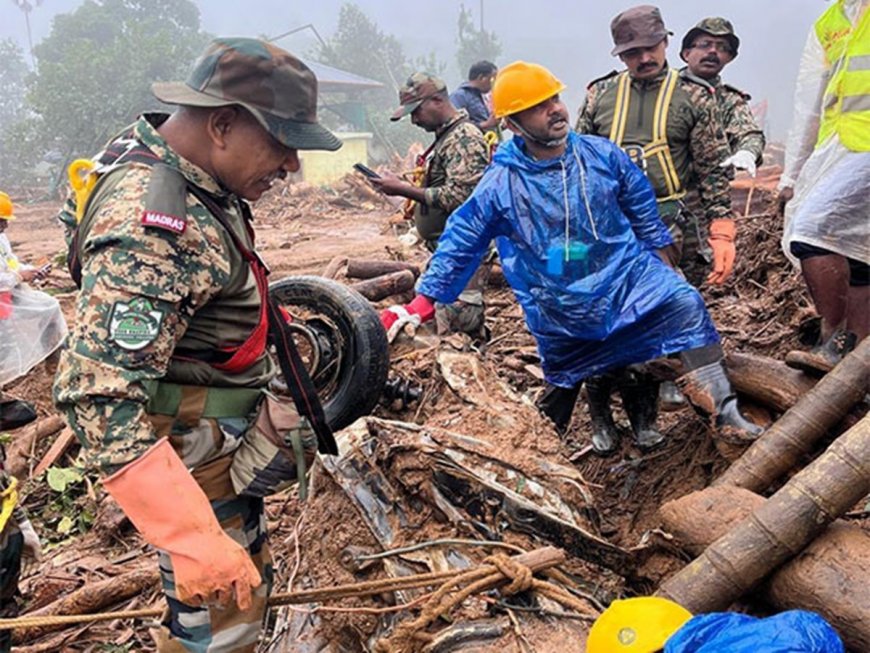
point(135, 324)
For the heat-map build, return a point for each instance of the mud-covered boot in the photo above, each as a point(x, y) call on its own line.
point(605, 436)
point(670, 397)
point(15, 413)
point(709, 392)
point(823, 358)
point(640, 398)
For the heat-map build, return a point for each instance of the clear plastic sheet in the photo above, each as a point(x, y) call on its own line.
point(594, 293)
point(31, 327)
point(829, 208)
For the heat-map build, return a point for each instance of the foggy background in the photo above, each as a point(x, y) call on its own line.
point(572, 38)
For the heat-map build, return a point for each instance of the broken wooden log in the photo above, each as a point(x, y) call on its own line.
point(780, 448)
point(334, 267)
point(369, 269)
point(767, 381)
point(18, 452)
point(58, 448)
point(382, 287)
point(831, 576)
point(778, 530)
point(91, 598)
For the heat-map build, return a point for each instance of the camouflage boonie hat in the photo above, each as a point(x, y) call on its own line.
point(419, 87)
point(638, 27)
point(714, 26)
point(276, 87)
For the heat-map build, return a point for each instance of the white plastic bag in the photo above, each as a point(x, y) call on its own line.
point(31, 327)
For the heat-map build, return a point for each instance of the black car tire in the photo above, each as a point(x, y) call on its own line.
point(345, 322)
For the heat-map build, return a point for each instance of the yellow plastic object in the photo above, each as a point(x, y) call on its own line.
point(639, 625)
point(8, 501)
point(520, 86)
point(5, 207)
point(82, 181)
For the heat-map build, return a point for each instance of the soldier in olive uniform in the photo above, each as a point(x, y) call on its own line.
point(452, 166)
point(707, 48)
point(668, 123)
point(163, 376)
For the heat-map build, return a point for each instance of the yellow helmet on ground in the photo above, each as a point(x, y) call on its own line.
point(639, 625)
point(520, 86)
point(5, 207)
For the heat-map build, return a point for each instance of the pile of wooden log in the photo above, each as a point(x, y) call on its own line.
point(378, 279)
point(792, 549)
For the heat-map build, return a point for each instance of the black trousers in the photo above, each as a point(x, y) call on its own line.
point(558, 403)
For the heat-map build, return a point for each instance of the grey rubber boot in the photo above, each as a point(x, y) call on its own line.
point(670, 397)
point(710, 393)
point(605, 435)
point(640, 398)
point(823, 358)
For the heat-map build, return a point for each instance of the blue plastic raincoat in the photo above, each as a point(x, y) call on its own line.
point(582, 265)
point(795, 631)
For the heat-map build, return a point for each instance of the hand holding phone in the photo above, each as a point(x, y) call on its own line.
point(364, 169)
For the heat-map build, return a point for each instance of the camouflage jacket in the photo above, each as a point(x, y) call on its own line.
point(456, 163)
point(694, 134)
point(742, 131)
point(151, 287)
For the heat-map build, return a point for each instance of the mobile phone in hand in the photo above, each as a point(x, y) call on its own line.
point(364, 169)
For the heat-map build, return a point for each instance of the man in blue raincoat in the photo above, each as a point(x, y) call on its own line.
point(579, 238)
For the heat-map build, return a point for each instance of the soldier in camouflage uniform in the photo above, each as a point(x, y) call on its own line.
point(707, 48)
point(668, 124)
point(453, 165)
point(163, 376)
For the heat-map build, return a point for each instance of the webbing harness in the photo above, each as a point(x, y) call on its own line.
point(658, 147)
point(418, 175)
point(271, 323)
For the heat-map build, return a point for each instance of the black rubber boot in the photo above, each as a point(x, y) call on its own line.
point(670, 397)
point(822, 359)
point(709, 392)
point(640, 398)
point(15, 413)
point(605, 436)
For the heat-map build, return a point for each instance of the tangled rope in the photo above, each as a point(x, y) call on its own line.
point(412, 636)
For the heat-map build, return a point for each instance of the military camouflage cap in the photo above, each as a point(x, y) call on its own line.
point(638, 27)
point(419, 87)
point(276, 87)
point(714, 26)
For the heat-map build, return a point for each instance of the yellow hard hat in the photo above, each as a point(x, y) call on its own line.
point(520, 86)
point(639, 625)
point(5, 207)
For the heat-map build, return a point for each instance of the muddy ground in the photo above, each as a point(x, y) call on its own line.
point(762, 309)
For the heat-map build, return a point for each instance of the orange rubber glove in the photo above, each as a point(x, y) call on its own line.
point(722, 232)
point(168, 507)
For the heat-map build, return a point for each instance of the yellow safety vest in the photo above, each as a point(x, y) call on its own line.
point(846, 102)
point(658, 147)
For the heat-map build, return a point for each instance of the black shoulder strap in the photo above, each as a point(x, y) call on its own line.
point(298, 381)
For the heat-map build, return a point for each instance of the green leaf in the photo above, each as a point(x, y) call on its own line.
point(59, 478)
point(65, 525)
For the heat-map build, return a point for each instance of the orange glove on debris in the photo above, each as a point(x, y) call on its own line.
point(168, 507)
point(722, 232)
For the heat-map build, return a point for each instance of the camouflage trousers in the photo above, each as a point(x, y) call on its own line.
point(208, 438)
point(186, 628)
point(11, 547)
point(690, 252)
point(467, 313)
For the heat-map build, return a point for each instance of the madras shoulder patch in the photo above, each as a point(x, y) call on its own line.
point(135, 324)
point(165, 221)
